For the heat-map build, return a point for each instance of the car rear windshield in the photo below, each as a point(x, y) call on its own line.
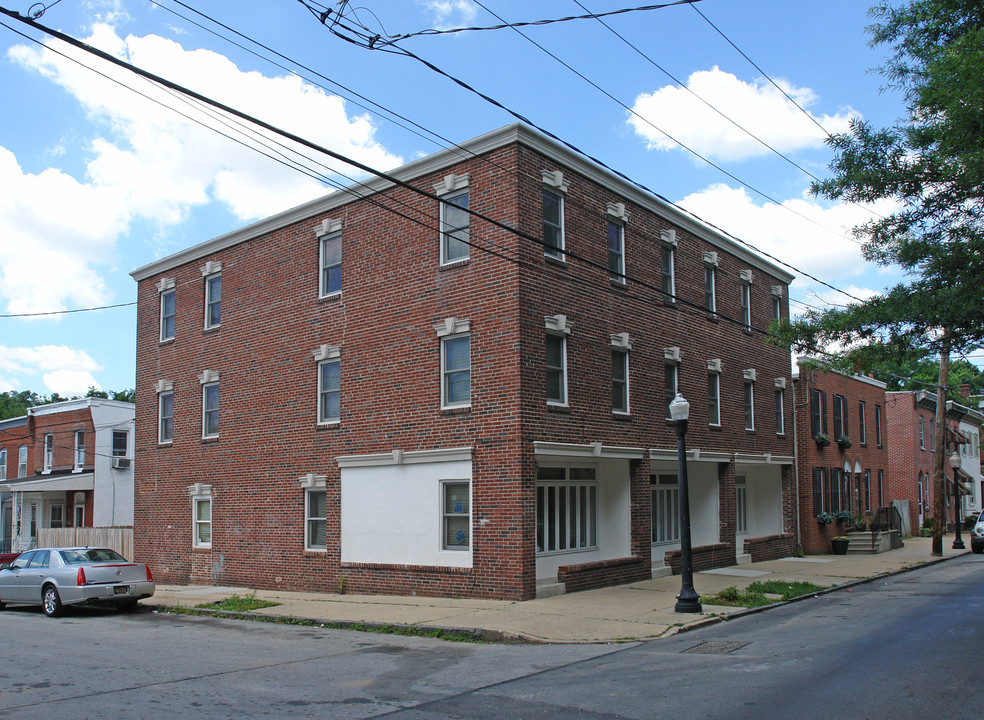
point(77, 557)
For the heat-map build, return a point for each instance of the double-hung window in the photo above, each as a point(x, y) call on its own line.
point(665, 508)
point(455, 234)
point(862, 434)
point(315, 520)
point(49, 452)
point(329, 391)
point(819, 478)
point(749, 405)
point(620, 381)
point(121, 442)
point(456, 515)
point(331, 264)
point(202, 521)
point(456, 371)
point(878, 425)
point(780, 411)
point(818, 412)
point(165, 417)
point(212, 272)
point(668, 284)
point(710, 289)
point(22, 461)
point(210, 410)
point(670, 380)
point(840, 417)
point(168, 311)
point(922, 433)
point(554, 188)
point(714, 395)
point(3, 463)
point(566, 509)
point(746, 306)
point(616, 251)
point(558, 328)
point(79, 450)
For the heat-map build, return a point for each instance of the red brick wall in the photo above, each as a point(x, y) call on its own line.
point(62, 426)
point(815, 538)
point(587, 576)
point(771, 547)
point(393, 292)
point(704, 557)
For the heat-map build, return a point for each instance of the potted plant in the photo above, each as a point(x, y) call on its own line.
point(861, 523)
point(838, 545)
point(821, 440)
point(842, 516)
point(825, 518)
point(844, 442)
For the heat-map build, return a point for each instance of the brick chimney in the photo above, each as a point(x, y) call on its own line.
point(965, 390)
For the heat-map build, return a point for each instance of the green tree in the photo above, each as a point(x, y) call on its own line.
point(931, 164)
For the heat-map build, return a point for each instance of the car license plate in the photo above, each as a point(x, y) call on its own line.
point(121, 589)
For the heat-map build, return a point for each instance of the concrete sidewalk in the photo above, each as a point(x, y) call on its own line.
point(626, 612)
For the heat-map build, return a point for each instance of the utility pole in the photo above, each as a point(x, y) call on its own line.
point(939, 443)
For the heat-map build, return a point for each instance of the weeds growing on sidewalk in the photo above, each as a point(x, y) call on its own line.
point(757, 593)
point(239, 603)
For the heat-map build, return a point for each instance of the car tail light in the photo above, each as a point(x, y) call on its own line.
point(150, 575)
point(80, 578)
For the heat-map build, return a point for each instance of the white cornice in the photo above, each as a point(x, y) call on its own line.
point(441, 160)
point(591, 450)
point(399, 457)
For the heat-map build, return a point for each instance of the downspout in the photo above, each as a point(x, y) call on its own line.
point(796, 452)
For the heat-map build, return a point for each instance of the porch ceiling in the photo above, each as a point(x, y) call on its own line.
point(47, 483)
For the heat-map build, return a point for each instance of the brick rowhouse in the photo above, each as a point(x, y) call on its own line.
point(443, 418)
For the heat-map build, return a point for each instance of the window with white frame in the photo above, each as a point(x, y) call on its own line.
point(165, 417)
point(554, 187)
point(121, 440)
point(746, 306)
point(566, 509)
point(329, 391)
point(714, 393)
point(665, 508)
point(710, 289)
point(455, 232)
point(748, 402)
point(670, 380)
point(168, 312)
point(878, 425)
point(777, 295)
point(49, 452)
point(210, 410)
point(213, 301)
point(862, 438)
point(22, 461)
point(455, 338)
point(620, 381)
point(741, 504)
point(668, 283)
point(331, 264)
point(56, 516)
point(202, 521)
point(780, 411)
point(79, 452)
point(456, 371)
point(616, 251)
point(3, 463)
point(558, 328)
point(840, 417)
point(315, 519)
point(456, 515)
point(922, 434)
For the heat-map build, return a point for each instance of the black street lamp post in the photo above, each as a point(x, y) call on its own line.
point(958, 544)
point(688, 601)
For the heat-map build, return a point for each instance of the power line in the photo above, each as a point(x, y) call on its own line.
point(67, 312)
point(593, 159)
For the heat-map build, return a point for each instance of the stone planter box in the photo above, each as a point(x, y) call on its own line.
point(839, 547)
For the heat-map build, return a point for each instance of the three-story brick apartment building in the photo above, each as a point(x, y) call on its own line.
point(380, 392)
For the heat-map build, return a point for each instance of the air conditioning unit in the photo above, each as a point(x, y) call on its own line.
point(121, 463)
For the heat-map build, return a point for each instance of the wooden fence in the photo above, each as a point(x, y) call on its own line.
point(118, 538)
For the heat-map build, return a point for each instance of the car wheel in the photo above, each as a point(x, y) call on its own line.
point(51, 601)
point(126, 605)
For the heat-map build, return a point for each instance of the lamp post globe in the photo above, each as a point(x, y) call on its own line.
point(958, 543)
point(688, 601)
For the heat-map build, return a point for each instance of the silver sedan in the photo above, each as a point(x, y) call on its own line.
point(55, 577)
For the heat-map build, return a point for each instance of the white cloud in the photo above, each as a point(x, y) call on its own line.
point(814, 238)
point(758, 107)
point(147, 163)
point(448, 14)
point(64, 370)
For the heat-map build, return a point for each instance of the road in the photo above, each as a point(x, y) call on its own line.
point(907, 646)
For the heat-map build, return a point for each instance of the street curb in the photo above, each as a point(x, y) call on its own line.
point(697, 625)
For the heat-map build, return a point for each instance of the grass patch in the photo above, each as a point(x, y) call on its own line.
point(757, 593)
point(239, 603)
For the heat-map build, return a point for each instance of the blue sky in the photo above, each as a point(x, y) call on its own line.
point(97, 180)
